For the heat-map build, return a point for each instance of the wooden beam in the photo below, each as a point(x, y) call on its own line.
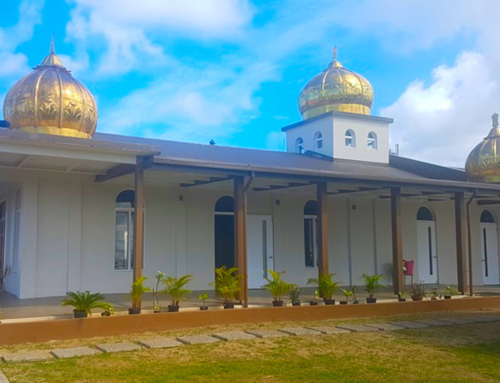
point(358, 190)
point(278, 187)
point(397, 242)
point(240, 234)
point(138, 222)
point(322, 228)
point(460, 242)
point(115, 172)
point(205, 182)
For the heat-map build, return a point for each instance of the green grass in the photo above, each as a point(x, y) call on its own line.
point(445, 354)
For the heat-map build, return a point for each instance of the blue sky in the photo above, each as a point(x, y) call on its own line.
point(232, 70)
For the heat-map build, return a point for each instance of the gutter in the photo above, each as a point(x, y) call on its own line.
point(469, 243)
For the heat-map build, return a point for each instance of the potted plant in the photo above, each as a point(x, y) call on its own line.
point(417, 292)
point(295, 295)
point(227, 284)
point(347, 294)
point(156, 292)
point(326, 287)
point(355, 295)
point(175, 289)
point(85, 302)
point(316, 297)
point(401, 296)
point(203, 298)
point(372, 284)
point(136, 293)
point(435, 294)
point(449, 292)
point(277, 287)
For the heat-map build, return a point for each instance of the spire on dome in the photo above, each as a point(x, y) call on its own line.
point(494, 120)
point(335, 63)
point(334, 52)
point(51, 59)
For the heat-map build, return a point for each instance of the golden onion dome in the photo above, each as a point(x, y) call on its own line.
point(336, 89)
point(49, 100)
point(483, 162)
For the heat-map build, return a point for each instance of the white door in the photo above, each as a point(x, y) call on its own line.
point(489, 252)
point(426, 248)
point(259, 249)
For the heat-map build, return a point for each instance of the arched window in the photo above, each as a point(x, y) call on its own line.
point(425, 214)
point(224, 232)
point(372, 140)
point(318, 140)
point(124, 230)
point(350, 138)
point(310, 230)
point(487, 217)
point(299, 145)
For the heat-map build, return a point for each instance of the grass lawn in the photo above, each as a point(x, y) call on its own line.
point(441, 354)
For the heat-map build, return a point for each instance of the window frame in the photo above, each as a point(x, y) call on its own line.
point(318, 140)
point(314, 219)
point(372, 141)
point(299, 145)
point(351, 136)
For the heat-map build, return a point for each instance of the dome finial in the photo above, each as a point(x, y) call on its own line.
point(52, 47)
point(494, 120)
point(334, 53)
point(51, 59)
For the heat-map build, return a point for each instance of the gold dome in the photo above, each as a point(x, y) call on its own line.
point(483, 162)
point(49, 100)
point(336, 89)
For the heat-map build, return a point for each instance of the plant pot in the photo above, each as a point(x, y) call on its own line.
point(329, 302)
point(79, 314)
point(313, 303)
point(343, 302)
point(355, 302)
point(229, 305)
point(277, 303)
point(402, 299)
point(296, 303)
point(106, 314)
point(132, 311)
point(371, 300)
point(203, 308)
point(157, 311)
point(447, 297)
point(173, 309)
point(416, 299)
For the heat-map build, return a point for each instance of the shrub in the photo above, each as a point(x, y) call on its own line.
point(175, 288)
point(86, 301)
point(227, 283)
point(326, 285)
point(372, 283)
point(276, 286)
point(294, 293)
point(138, 290)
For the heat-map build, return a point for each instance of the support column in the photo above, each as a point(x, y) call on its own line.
point(460, 242)
point(322, 228)
point(397, 243)
point(240, 236)
point(139, 221)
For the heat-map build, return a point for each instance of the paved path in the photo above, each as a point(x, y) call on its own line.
point(248, 335)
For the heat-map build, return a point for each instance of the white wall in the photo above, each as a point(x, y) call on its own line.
point(308, 131)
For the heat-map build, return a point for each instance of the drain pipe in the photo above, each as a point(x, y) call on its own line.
point(245, 189)
point(469, 243)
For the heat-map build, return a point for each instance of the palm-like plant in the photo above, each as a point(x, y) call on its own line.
point(86, 301)
point(138, 290)
point(175, 288)
point(276, 286)
point(326, 285)
point(372, 284)
point(347, 294)
point(227, 283)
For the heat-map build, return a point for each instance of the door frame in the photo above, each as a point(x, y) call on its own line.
point(483, 226)
point(270, 261)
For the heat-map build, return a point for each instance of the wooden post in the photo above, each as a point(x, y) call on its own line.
point(460, 242)
point(138, 222)
point(397, 243)
point(322, 228)
point(240, 236)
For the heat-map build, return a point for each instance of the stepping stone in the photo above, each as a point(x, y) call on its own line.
point(485, 319)
point(330, 330)
point(432, 322)
point(233, 335)
point(385, 326)
point(493, 318)
point(64, 353)
point(267, 333)
point(27, 356)
point(198, 339)
point(458, 320)
point(118, 347)
point(357, 327)
point(3, 378)
point(410, 325)
point(300, 331)
point(160, 343)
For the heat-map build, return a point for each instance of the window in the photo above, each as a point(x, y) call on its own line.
point(487, 217)
point(318, 140)
point(224, 232)
point(17, 228)
point(124, 230)
point(310, 230)
point(299, 145)
point(424, 214)
point(350, 138)
point(372, 141)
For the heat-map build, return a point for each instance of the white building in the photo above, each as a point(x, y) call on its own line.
point(336, 201)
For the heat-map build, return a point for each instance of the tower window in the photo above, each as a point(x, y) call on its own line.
point(318, 140)
point(299, 145)
point(372, 140)
point(350, 138)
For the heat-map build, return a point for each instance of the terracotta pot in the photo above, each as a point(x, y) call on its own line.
point(329, 302)
point(203, 308)
point(296, 303)
point(133, 311)
point(229, 305)
point(371, 300)
point(79, 314)
point(173, 309)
